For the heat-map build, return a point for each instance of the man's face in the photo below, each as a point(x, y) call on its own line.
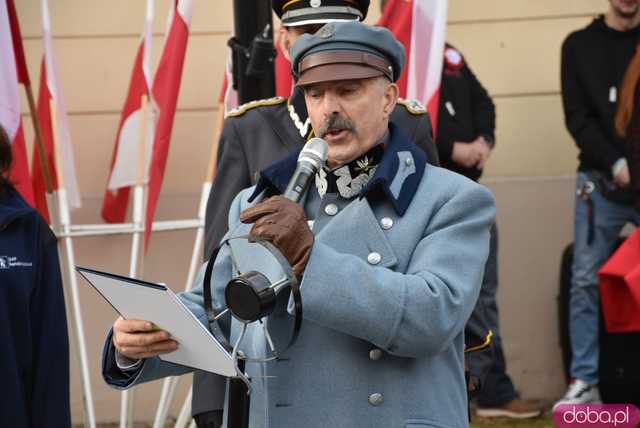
point(289, 35)
point(350, 115)
point(625, 8)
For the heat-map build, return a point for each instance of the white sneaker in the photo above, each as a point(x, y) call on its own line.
point(580, 392)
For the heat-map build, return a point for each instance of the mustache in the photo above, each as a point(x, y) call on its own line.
point(336, 123)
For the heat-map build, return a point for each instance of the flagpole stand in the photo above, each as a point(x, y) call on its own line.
point(169, 384)
point(199, 241)
point(136, 262)
point(70, 280)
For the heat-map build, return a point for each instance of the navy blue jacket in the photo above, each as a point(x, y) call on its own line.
point(34, 346)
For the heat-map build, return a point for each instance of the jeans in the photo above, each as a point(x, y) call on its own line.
point(584, 302)
point(497, 388)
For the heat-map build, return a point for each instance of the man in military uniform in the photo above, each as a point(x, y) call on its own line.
point(390, 270)
point(261, 132)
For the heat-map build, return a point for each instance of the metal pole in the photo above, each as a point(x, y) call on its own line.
point(135, 266)
point(169, 384)
point(71, 280)
point(185, 413)
point(196, 256)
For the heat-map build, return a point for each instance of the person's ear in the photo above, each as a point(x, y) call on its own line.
point(285, 42)
point(391, 92)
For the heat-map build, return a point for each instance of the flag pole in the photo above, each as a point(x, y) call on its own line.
point(185, 413)
point(169, 384)
point(136, 263)
point(37, 129)
point(70, 274)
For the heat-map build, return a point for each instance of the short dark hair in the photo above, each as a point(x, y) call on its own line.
point(5, 157)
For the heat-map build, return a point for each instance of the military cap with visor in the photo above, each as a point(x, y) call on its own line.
point(294, 13)
point(345, 51)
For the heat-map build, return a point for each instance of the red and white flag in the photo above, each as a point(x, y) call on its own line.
point(13, 71)
point(166, 86)
point(51, 89)
point(420, 25)
point(124, 162)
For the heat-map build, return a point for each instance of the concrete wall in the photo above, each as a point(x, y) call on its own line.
point(513, 47)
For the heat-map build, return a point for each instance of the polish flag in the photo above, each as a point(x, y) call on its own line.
point(166, 86)
point(124, 162)
point(420, 25)
point(13, 71)
point(51, 89)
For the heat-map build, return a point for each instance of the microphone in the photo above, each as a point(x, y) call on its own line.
point(312, 157)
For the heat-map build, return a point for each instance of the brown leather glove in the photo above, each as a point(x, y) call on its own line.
point(283, 222)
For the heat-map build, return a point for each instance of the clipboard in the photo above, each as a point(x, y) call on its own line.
point(137, 299)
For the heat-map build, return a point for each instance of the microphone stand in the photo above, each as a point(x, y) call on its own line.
point(239, 401)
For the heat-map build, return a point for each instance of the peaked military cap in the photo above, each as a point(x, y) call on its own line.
point(293, 13)
point(346, 50)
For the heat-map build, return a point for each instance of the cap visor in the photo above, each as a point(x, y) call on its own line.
point(334, 72)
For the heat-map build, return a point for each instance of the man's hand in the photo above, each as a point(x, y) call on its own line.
point(473, 154)
point(284, 223)
point(466, 154)
point(485, 151)
point(139, 339)
point(622, 178)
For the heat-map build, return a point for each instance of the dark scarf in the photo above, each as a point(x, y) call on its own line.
point(349, 180)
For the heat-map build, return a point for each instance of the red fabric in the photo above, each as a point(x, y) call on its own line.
point(115, 203)
point(434, 107)
point(620, 287)
point(284, 80)
point(19, 173)
point(44, 117)
point(166, 86)
point(223, 89)
point(21, 64)
point(397, 18)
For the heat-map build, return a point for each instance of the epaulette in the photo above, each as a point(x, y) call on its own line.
point(240, 110)
point(413, 106)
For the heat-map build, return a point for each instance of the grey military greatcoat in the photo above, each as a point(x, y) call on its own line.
point(382, 339)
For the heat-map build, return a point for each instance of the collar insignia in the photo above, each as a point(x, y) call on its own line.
point(398, 174)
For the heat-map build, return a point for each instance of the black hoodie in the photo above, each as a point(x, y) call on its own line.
point(594, 60)
point(34, 348)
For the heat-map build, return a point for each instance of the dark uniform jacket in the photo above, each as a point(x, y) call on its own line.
point(255, 136)
point(34, 350)
point(466, 111)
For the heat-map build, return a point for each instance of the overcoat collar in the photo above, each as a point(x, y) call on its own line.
point(398, 175)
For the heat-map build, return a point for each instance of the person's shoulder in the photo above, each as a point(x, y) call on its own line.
point(450, 184)
point(17, 215)
point(583, 35)
point(410, 107)
point(247, 110)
